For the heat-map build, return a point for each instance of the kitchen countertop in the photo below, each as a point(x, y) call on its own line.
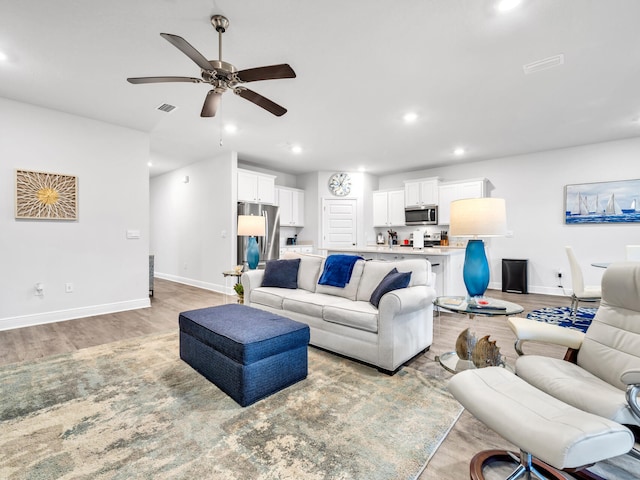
point(398, 249)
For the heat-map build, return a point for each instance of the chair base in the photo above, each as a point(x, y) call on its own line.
point(528, 467)
point(574, 303)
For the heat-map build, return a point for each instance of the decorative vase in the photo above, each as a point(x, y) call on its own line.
point(476, 269)
point(253, 253)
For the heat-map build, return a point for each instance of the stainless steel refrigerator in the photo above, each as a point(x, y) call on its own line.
point(269, 245)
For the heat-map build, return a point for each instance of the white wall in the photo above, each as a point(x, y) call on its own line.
point(109, 273)
point(193, 225)
point(533, 186)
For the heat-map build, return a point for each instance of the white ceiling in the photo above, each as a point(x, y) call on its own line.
point(360, 64)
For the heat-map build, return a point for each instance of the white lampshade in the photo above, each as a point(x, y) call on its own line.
point(478, 217)
point(251, 225)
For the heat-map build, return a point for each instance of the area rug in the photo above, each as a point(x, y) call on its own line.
point(562, 316)
point(133, 409)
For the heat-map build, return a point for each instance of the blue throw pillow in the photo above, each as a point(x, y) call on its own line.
point(394, 280)
point(281, 273)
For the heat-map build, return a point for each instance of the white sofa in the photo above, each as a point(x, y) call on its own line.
point(343, 320)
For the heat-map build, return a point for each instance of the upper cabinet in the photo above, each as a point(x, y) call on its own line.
point(450, 191)
point(291, 203)
point(419, 192)
point(388, 208)
point(256, 187)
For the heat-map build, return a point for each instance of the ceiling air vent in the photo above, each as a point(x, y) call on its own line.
point(544, 64)
point(165, 107)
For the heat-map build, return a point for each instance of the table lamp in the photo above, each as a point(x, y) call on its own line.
point(251, 226)
point(477, 217)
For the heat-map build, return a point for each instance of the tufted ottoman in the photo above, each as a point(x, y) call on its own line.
point(248, 353)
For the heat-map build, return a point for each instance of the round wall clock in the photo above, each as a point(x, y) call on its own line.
point(340, 184)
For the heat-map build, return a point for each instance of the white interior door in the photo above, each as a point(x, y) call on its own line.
point(339, 223)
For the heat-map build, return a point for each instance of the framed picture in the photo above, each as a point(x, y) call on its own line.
point(602, 202)
point(46, 196)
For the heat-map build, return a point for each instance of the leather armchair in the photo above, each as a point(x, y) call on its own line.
point(602, 375)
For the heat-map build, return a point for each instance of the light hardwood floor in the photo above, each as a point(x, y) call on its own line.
point(451, 460)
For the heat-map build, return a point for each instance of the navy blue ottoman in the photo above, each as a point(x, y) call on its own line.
point(247, 353)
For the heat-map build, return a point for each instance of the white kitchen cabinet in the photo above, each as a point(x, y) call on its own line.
point(291, 203)
point(450, 191)
point(296, 248)
point(422, 191)
point(388, 208)
point(256, 187)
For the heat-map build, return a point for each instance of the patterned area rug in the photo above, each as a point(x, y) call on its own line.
point(562, 316)
point(133, 409)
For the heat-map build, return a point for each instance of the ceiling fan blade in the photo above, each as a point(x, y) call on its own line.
point(137, 80)
point(186, 48)
point(272, 72)
point(211, 104)
point(261, 101)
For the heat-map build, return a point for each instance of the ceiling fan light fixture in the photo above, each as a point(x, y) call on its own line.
point(231, 128)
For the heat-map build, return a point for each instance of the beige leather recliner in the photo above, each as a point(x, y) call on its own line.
point(565, 415)
point(603, 374)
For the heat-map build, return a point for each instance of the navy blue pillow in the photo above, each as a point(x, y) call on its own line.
point(394, 280)
point(281, 273)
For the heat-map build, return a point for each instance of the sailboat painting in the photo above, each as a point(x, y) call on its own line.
point(602, 202)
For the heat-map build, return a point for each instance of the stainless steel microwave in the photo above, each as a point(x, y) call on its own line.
point(422, 215)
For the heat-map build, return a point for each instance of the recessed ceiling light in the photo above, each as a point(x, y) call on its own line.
point(458, 152)
point(230, 128)
point(296, 149)
point(3, 57)
point(506, 5)
point(149, 164)
point(410, 117)
point(361, 168)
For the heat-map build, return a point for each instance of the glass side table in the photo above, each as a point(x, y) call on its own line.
point(488, 307)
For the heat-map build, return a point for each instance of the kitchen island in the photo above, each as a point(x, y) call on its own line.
point(446, 262)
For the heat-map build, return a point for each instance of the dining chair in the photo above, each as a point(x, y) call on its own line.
point(581, 293)
point(633, 253)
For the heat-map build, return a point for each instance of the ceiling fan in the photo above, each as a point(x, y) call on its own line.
point(223, 76)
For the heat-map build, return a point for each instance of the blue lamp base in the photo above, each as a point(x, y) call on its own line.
point(476, 269)
point(253, 253)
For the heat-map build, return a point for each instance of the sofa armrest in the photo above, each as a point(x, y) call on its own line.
point(406, 300)
point(250, 280)
point(533, 331)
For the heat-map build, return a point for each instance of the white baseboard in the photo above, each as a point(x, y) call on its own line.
point(197, 283)
point(9, 323)
point(537, 289)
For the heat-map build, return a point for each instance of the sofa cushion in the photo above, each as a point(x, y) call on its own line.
point(351, 289)
point(281, 273)
point(394, 280)
point(269, 296)
point(309, 270)
point(376, 270)
point(359, 315)
point(309, 303)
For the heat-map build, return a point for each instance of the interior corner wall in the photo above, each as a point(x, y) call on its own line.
point(533, 187)
point(193, 231)
point(108, 272)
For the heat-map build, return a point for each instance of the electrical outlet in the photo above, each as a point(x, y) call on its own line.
point(68, 287)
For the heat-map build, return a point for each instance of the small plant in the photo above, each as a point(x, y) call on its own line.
point(240, 291)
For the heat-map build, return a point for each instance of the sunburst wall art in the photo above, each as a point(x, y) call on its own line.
point(47, 196)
